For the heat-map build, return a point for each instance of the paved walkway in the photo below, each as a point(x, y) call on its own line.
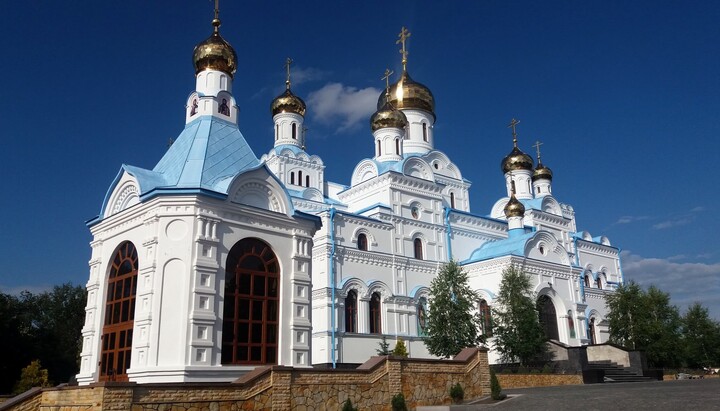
point(659, 395)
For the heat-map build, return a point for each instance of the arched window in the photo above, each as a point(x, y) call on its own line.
point(485, 318)
point(251, 304)
point(375, 322)
point(294, 131)
point(362, 243)
point(119, 314)
point(418, 247)
point(224, 108)
point(194, 108)
point(452, 200)
point(587, 280)
point(598, 281)
point(292, 177)
point(307, 181)
point(299, 178)
point(397, 146)
point(422, 316)
point(379, 150)
point(571, 324)
point(591, 331)
point(351, 312)
point(277, 131)
point(425, 132)
point(548, 317)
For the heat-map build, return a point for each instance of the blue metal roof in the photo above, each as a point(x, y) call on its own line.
point(532, 203)
point(500, 248)
point(295, 149)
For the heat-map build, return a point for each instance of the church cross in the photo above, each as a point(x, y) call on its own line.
point(512, 125)
point(288, 62)
point(216, 21)
point(537, 148)
point(386, 77)
point(404, 35)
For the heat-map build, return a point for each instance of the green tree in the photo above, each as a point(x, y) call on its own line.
point(383, 347)
point(700, 338)
point(519, 336)
point(400, 349)
point(452, 322)
point(645, 320)
point(32, 376)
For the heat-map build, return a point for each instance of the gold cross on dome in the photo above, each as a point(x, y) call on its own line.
point(288, 62)
point(404, 35)
point(537, 148)
point(386, 77)
point(512, 125)
point(216, 21)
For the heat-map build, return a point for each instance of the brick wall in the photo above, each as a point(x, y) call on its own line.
point(370, 387)
point(508, 381)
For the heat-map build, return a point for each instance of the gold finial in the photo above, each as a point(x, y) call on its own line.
point(386, 77)
point(512, 125)
point(537, 149)
point(288, 62)
point(404, 35)
point(216, 20)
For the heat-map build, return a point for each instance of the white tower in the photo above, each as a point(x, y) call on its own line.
point(517, 167)
point(542, 176)
point(288, 112)
point(388, 127)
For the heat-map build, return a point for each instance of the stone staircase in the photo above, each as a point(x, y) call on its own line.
point(615, 373)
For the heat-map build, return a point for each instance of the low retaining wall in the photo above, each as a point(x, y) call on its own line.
point(508, 381)
point(370, 387)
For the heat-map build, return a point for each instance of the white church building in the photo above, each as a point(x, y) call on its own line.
point(217, 261)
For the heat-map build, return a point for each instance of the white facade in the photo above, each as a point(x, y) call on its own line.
point(343, 265)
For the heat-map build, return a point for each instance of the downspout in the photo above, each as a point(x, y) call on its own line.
point(448, 233)
point(622, 276)
point(332, 284)
point(581, 279)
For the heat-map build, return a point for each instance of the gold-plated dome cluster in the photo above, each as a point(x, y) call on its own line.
point(387, 117)
point(215, 53)
point(514, 208)
point(542, 172)
point(288, 102)
point(516, 160)
point(406, 93)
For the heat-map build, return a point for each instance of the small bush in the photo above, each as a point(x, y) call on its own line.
point(457, 393)
point(34, 375)
point(547, 369)
point(400, 349)
point(348, 406)
point(495, 389)
point(398, 402)
point(383, 347)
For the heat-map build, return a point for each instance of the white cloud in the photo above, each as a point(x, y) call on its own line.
point(676, 222)
point(300, 75)
point(346, 105)
point(630, 219)
point(685, 282)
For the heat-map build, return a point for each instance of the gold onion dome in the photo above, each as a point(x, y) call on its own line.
point(387, 117)
point(215, 53)
point(406, 93)
point(516, 160)
point(542, 172)
point(288, 102)
point(514, 208)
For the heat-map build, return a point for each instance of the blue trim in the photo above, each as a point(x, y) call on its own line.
point(332, 284)
point(376, 205)
point(582, 285)
point(362, 217)
point(622, 276)
point(577, 253)
point(448, 232)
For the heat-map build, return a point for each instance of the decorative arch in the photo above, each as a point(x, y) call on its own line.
point(119, 320)
point(353, 284)
point(550, 205)
point(552, 250)
point(368, 236)
point(365, 170)
point(262, 189)
point(548, 317)
point(416, 167)
point(251, 304)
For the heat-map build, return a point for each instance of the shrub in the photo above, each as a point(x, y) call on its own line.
point(348, 406)
point(495, 389)
point(32, 376)
point(457, 393)
point(547, 369)
point(383, 347)
point(398, 402)
point(400, 349)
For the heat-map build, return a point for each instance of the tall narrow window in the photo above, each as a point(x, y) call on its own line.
point(512, 186)
point(294, 131)
point(119, 314)
point(307, 181)
point(452, 200)
point(379, 150)
point(422, 316)
point(397, 146)
point(375, 322)
point(300, 178)
point(277, 131)
point(587, 280)
point(362, 243)
point(425, 132)
point(292, 177)
point(351, 312)
point(591, 331)
point(251, 304)
point(485, 318)
point(571, 324)
point(418, 247)
point(598, 282)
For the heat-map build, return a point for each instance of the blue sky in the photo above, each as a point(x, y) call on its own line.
point(624, 95)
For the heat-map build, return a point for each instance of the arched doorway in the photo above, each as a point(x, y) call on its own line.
point(548, 317)
point(251, 304)
point(119, 314)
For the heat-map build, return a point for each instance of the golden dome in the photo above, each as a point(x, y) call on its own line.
point(387, 117)
point(408, 94)
point(514, 208)
point(542, 172)
point(516, 160)
point(287, 102)
point(215, 54)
